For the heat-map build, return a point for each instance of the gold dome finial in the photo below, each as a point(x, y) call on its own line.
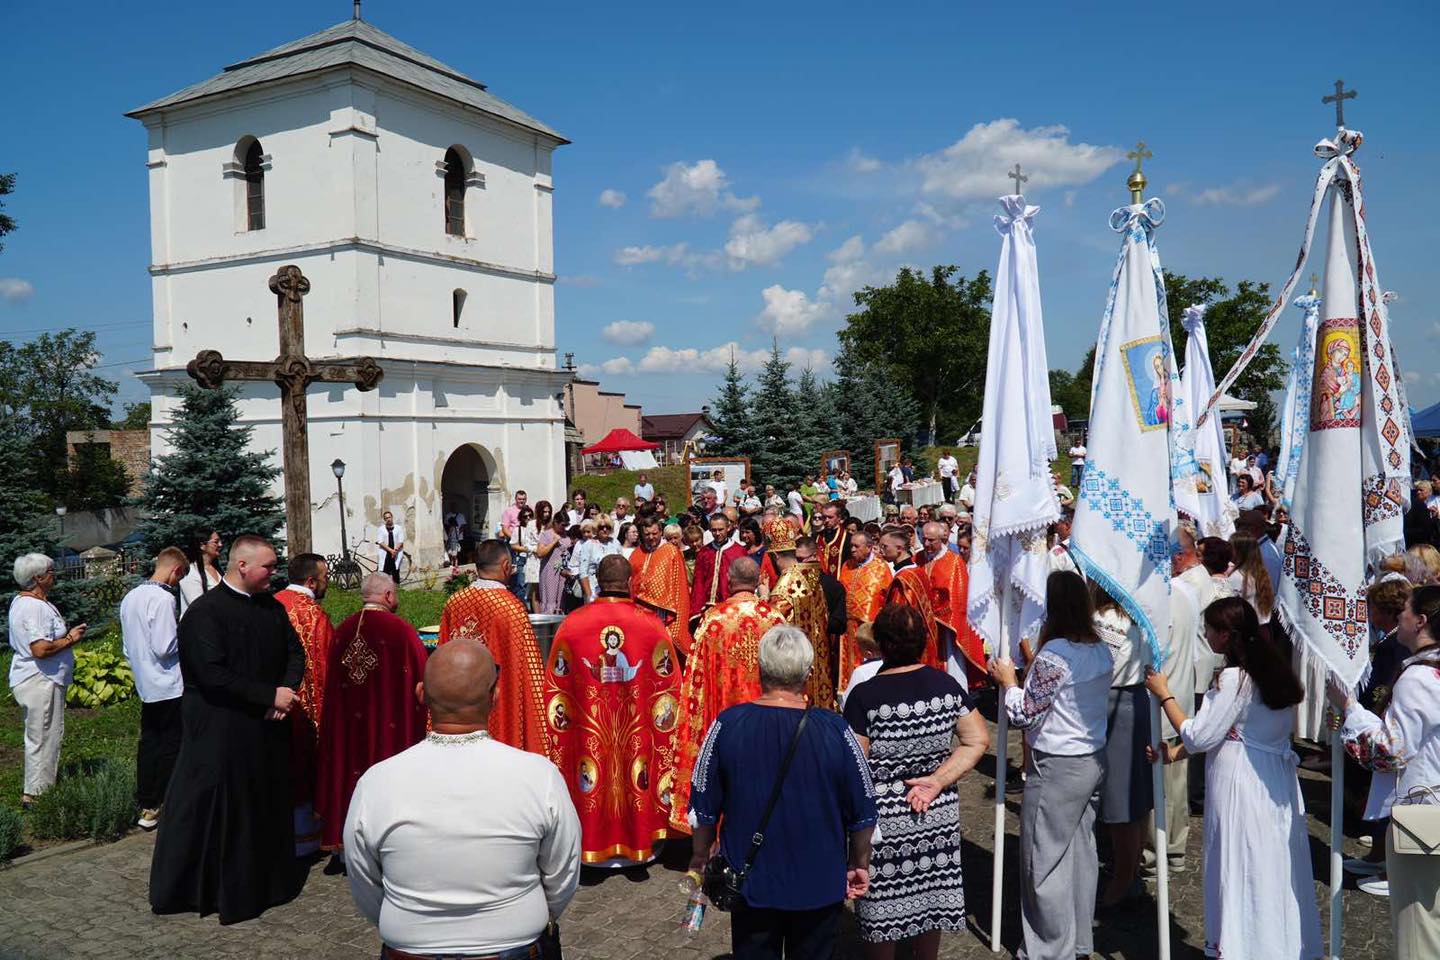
point(1136, 181)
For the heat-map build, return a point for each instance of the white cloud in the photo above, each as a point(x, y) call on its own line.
point(630, 256)
point(858, 162)
point(697, 189)
point(1435, 329)
point(1237, 196)
point(1412, 376)
point(613, 199)
point(753, 244)
point(789, 312)
point(627, 333)
point(974, 166)
point(849, 251)
point(711, 360)
point(909, 237)
point(1070, 198)
point(816, 360)
point(15, 290)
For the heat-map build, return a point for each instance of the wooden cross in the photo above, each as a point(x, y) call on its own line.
point(1338, 98)
point(293, 372)
point(1140, 154)
point(1018, 177)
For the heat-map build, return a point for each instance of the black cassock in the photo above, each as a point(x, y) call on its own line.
point(227, 838)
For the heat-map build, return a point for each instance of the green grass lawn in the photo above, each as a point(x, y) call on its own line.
point(604, 488)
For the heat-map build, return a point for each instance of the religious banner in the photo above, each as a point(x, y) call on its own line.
point(1201, 488)
point(1295, 417)
point(1125, 510)
point(1350, 488)
point(1014, 491)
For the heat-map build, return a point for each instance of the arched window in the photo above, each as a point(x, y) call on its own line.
point(455, 177)
point(254, 174)
point(457, 304)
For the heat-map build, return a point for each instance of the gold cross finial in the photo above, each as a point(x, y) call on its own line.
point(1140, 154)
point(1314, 284)
point(1338, 98)
point(1018, 177)
point(1137, 181)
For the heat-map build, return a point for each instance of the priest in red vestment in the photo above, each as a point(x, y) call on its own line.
point(309, 576)
point(911, 587)
point(488, 612)
point(612, 701)
point(833, 539)
point(865, 591)
point(961, 647)
point(659, 582)
point(723, 670)
point(712, 567)
point(799, 597)
point(371, 710)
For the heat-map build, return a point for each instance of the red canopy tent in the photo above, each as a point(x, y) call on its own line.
point(620, 440)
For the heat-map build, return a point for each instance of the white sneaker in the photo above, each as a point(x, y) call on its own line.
point(149, 819)
point(1376, 887)
point(1363, 868)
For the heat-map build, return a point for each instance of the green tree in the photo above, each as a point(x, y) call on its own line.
point(931, 335)
point(816, 425)
point(96, 480)
point(1071, 393)
point(48, 387)
point(7, 187)
point(868, 405)
point(137, 417)
point(731, 433)
point(776, 423)
point(209, 479)
point(1231, 319)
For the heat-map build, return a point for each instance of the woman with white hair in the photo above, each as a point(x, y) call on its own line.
point(41, 669)
point(795, 779)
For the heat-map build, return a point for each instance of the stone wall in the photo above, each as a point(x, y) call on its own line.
point(130, 447)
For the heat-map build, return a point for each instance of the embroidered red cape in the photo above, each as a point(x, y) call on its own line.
point(834, 551)
point(659, 581)
point(800, 599)
point(612, 701)
point(950, 588)
point(724, 670)
point(498, 619)
point(864, 599)
point(317, 636)
point(911, 587)
point(371, 711)
point(710, 582)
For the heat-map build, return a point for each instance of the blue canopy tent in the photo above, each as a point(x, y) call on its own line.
point(1426, 423)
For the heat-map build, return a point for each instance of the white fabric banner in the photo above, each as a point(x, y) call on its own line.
point(1202, 491)
point(1295, 418)
point(1014, 492)
point(1346, 511)
point(1125, 511)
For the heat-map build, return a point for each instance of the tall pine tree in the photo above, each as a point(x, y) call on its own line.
point(817, 428)
point(776, 423)
point(869, 405)
point(732, 433)
point(209, 480)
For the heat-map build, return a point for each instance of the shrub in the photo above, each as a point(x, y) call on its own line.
point(458, 582)
point(11, 825)
point(102, 677)
point(98, 804)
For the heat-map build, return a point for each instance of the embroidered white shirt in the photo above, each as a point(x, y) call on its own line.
point(149, 633)
point(1406, 741)
point(1064, 704)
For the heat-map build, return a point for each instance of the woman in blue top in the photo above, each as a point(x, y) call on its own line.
point(816, 853)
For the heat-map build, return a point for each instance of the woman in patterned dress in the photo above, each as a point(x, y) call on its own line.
point(904, 718)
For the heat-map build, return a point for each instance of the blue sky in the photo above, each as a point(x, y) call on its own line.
point(737, 171)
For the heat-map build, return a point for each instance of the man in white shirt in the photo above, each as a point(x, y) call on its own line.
point(577, 508)
point(149, 624)
point(967, 492)
point(1077, 462)
point(721, 488)
point(948, 467)
point(796, 502)
point(644, 489)
point(1238, 466)
point(895, 479)
point(440, 873)
point(622, 514)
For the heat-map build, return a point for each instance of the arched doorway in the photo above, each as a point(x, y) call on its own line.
point(466, 489)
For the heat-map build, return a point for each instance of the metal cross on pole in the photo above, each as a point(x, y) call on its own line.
point(1136, 181)
point(1338, 98)
point(1018, 177)
point(293, 372)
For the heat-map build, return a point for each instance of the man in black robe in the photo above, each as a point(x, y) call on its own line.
point(227, 843)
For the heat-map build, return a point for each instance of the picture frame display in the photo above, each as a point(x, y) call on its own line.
point(700, 472)
point(834, 461)
point(887, 456)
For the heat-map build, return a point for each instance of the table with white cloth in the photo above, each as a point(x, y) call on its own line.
point(922, 494)
point(865, 509)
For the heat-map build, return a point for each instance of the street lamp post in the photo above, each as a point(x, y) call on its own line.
point(338, 468)
point(60, 547)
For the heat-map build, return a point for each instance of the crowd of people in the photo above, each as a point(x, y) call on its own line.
point(795, 691)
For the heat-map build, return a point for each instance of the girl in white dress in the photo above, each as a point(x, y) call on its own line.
point(1259, 887)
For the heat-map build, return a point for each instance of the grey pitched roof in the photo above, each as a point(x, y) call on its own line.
point(357, 43)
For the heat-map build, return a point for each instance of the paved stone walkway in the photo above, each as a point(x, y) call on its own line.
point(92, 903)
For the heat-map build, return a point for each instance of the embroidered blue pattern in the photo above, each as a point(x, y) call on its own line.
point(1127, 515)
point(701, 776)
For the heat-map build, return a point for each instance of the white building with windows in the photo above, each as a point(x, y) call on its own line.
point(418, 204)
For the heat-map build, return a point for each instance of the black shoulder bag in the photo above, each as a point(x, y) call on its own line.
point(722, 881)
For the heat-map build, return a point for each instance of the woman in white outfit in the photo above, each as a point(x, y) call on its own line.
point(1259, 887)
point(40, 670)
point(1402, 742)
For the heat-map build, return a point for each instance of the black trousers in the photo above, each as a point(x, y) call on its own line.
point(160, 728)
point(761, 934)
point(947, 485)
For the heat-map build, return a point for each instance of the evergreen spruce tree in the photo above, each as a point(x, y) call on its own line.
point(868, 406)
point(817, 427)
point(776, 423)
point(209, 479)
point(732, 432)
point(27, 524)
